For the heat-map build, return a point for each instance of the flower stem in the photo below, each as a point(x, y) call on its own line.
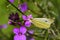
point(15, 7)
point(35, 35)
point(46, 37)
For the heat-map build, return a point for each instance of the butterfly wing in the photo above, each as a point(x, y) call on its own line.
point(42, 22)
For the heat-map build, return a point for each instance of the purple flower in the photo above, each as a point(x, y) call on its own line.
point(19, 37)
point(23, 7)
point(12, 1)
point(31, 31)
point(27, 17)
point(32, 39)
point(16, 31)
point(20, 33)
point(27, 20)
point(10, 22)
point(14, 17)
point(24, 17)
point(3, 26)
point(27, 23)
point(23, 29)
point(30, 16)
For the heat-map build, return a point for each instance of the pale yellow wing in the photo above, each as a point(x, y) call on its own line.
point(42, 22)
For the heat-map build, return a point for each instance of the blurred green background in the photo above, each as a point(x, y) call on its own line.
point(38, 8)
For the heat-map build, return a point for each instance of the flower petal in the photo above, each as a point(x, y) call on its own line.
point(30, 16)
point(22, 37)
point(24, 17)
point(27, 23)
point(4, 26)
point(23, 7)
point(19, 37)
point(16, 37)
point(16, 30)
point(23, 29)
point(12, 1)
point(16, 16)
point(0, 26)
point(32, 39)
point(31, 31)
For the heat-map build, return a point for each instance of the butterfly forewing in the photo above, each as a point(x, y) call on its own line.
point(41, 22)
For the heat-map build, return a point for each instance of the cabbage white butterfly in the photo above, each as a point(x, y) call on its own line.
point(42, 22)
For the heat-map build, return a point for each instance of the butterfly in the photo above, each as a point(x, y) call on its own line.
point(42, 22)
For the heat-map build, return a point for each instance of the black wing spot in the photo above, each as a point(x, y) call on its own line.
point(46, 21)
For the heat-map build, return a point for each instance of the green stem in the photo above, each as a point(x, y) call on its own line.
point(16, 7)
point(35, 35)
point(46, 37)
